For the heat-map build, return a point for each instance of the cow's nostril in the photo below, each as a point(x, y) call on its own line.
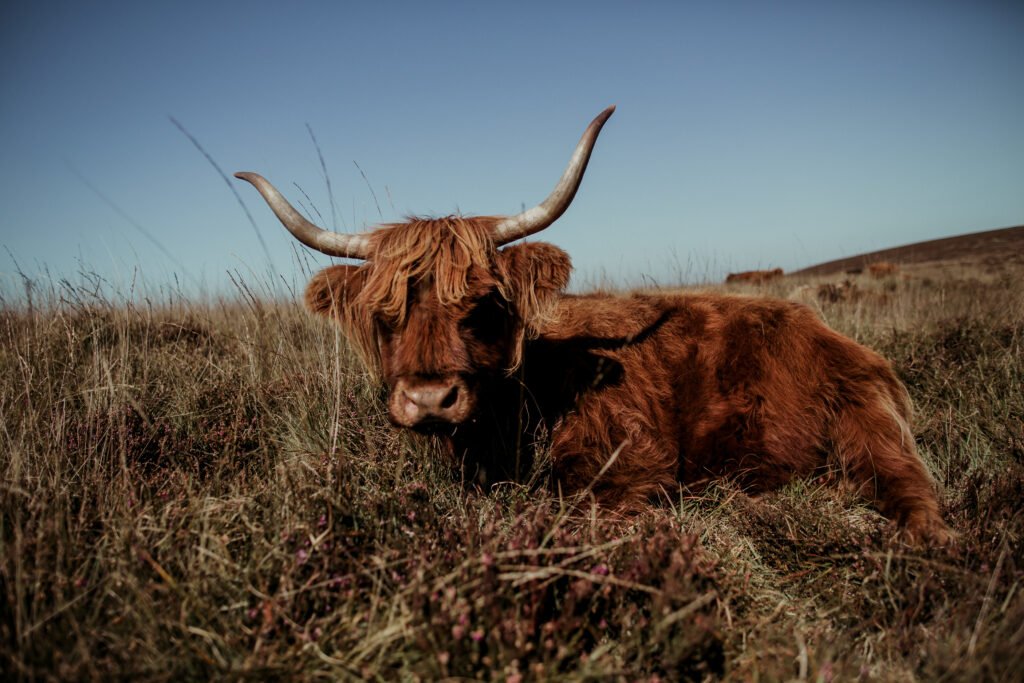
point(450, 398)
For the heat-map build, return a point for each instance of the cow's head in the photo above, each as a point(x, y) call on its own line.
point(441, 306)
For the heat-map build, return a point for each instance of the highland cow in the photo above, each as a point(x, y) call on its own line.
point(883, 269)
point(632, 397)
point(756, 277)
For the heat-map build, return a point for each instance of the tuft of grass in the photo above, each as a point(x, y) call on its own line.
point(208, 490)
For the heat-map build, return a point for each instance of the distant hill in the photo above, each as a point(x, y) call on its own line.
point(1005, 243)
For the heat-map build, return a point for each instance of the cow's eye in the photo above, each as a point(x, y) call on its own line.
point(489, 317)
point(383, 327)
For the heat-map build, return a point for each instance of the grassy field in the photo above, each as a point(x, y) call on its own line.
point(212, 491)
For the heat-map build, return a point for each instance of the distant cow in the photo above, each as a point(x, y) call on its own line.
point(833, 292)
point(478, 344)
point(883, 269)
point(754, 276)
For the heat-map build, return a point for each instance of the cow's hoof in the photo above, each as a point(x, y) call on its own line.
point(928, 532)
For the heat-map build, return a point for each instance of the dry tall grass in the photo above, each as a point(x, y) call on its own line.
point(193, 491)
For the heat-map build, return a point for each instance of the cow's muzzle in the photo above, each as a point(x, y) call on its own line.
point(420, 402)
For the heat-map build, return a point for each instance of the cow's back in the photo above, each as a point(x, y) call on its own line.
point(705, 386)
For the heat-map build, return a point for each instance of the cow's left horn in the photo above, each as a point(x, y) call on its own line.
point(330, 243)
point(547, 212)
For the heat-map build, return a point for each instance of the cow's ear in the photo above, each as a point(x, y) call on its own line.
point(533, 272)
point(332, 288)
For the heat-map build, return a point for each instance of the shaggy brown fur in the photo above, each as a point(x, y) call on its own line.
point(754, 276)
point(636, 396)
point(446, 265)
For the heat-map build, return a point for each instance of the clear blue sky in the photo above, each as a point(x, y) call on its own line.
point(748, 134)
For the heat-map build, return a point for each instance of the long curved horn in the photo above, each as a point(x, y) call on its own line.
point(547, 212)
point(330, 243)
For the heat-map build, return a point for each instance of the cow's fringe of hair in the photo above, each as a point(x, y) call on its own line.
point(448, 252)
point(444, 249)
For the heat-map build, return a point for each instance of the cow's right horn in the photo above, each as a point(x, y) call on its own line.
point(330, 243)
point(547, 212)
